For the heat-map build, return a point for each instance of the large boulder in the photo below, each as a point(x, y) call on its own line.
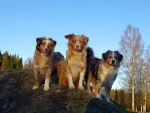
point(17, 96)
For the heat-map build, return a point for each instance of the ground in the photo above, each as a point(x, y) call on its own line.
point(17, 96)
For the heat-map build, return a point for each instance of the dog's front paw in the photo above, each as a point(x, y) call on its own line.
point(71, 87)
point(97, 96)
point(100, 96)
point(35, 87)
point(81, 88)
point(108, 100)
point(46, 88)
point(89, 91)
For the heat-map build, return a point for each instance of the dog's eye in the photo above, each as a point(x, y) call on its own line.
point(73, 40)
point(51, 45)
point(110, 57)
point(115, 57)
point(43, 43)
point(81, 41)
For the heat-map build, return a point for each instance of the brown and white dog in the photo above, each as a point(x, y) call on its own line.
point(45, 60)
point(76, 60)
point(103, 72)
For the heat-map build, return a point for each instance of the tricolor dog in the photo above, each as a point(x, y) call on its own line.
point(102, 72)
point(45, 60)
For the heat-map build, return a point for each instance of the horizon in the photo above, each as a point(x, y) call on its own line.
point(103, 22)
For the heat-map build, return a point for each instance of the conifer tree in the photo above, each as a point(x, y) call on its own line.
point(5, 61)
point(14, 61)
point(20, 65)
point(10, 62)
point(17, 62)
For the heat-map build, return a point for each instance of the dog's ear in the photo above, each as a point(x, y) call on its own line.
point(104, 55)
point(70, 36)
point(120, 56)
point(86, 39)
point(39, 41)
point(53, 41)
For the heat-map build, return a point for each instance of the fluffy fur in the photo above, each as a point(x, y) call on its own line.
point(102, 72)
point(76, 60)
point(45, 60)
point(61, 70)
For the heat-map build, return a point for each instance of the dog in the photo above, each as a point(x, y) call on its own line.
point(45, 60)
point(102, 72)
point(76, 60)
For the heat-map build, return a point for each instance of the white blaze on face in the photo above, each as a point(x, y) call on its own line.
point(77, 43)
point(113, 54)
point(113, 57)
point(47, 42)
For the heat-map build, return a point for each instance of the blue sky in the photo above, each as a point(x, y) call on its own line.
point(103, 21)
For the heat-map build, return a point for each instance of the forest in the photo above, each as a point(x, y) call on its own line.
point(8, 61)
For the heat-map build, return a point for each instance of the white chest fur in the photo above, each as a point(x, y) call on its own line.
point(107, 75)
point(76, 60)
point(76, 63)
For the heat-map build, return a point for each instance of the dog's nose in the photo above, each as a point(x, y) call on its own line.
point(77, 46)
point(46, 49)
point(113, 61)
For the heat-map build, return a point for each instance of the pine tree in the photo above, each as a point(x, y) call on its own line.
point(14, 61)
point(10, 62)
point(20, 65)
point(5, 61)
point(17, 62)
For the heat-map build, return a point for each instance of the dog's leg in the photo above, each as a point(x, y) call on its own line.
point(99, 94)
point(47, 80)
point(36, 76)
point(60, 83)
point(107, 91)
point(71, 85)
point(93, 86)
point(80, 85)
point(88, 83)
point(96, 90)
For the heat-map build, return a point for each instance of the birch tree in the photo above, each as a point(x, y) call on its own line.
point(132, 50)
point(146, 77)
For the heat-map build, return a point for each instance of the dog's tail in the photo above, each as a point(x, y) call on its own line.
point(90, 55)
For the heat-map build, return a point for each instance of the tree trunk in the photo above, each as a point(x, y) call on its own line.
point(144, 106)
point(141, 108)
point(132, 91)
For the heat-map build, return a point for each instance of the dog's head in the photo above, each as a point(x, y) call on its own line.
point(45, 45)
point(112, 58)
point(77, 42)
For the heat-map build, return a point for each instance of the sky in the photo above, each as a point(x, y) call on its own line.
point(103, 21)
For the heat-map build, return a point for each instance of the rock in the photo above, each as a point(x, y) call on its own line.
point(17, 96)
point(101, 106)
